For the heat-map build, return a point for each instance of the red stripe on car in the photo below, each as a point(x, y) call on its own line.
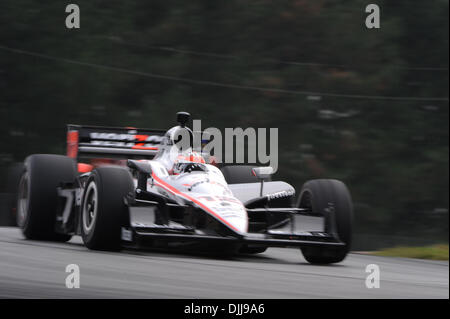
point(176, 191)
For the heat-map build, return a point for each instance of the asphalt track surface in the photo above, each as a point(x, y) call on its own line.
point(33, 269)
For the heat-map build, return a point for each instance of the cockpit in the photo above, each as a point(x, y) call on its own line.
point(176, 150)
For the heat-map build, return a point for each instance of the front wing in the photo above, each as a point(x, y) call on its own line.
point(138, 233)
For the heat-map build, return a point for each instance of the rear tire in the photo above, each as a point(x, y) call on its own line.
point(37, 195)
point(103, 211)
point(321, 195)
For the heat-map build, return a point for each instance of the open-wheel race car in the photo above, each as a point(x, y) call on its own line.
point(111, 176)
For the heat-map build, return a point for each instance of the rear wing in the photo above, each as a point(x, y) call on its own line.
point(112, 142)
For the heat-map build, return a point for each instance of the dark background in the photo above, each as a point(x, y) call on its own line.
point(369, 107)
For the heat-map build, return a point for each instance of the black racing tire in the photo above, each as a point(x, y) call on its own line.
point(320, 195)
point(103, 210)
point(239, 174)
point(37, 199)
point(252, 250)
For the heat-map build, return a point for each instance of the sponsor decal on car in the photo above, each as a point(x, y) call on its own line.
point(138, 141)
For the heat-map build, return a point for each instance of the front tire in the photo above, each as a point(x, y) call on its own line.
point(321, 196)
point(103, 211)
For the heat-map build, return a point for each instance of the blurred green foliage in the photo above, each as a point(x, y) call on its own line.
point(393, 154)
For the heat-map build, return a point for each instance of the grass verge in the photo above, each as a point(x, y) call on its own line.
point(434, 252)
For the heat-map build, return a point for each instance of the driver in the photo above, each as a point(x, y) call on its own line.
point(188, 162)
point(176, 152)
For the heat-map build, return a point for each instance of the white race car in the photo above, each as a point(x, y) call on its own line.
point(111, 175)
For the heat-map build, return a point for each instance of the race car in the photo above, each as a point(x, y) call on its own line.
point(111, 175)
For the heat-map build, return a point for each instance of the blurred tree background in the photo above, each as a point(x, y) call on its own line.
point(367, 106)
